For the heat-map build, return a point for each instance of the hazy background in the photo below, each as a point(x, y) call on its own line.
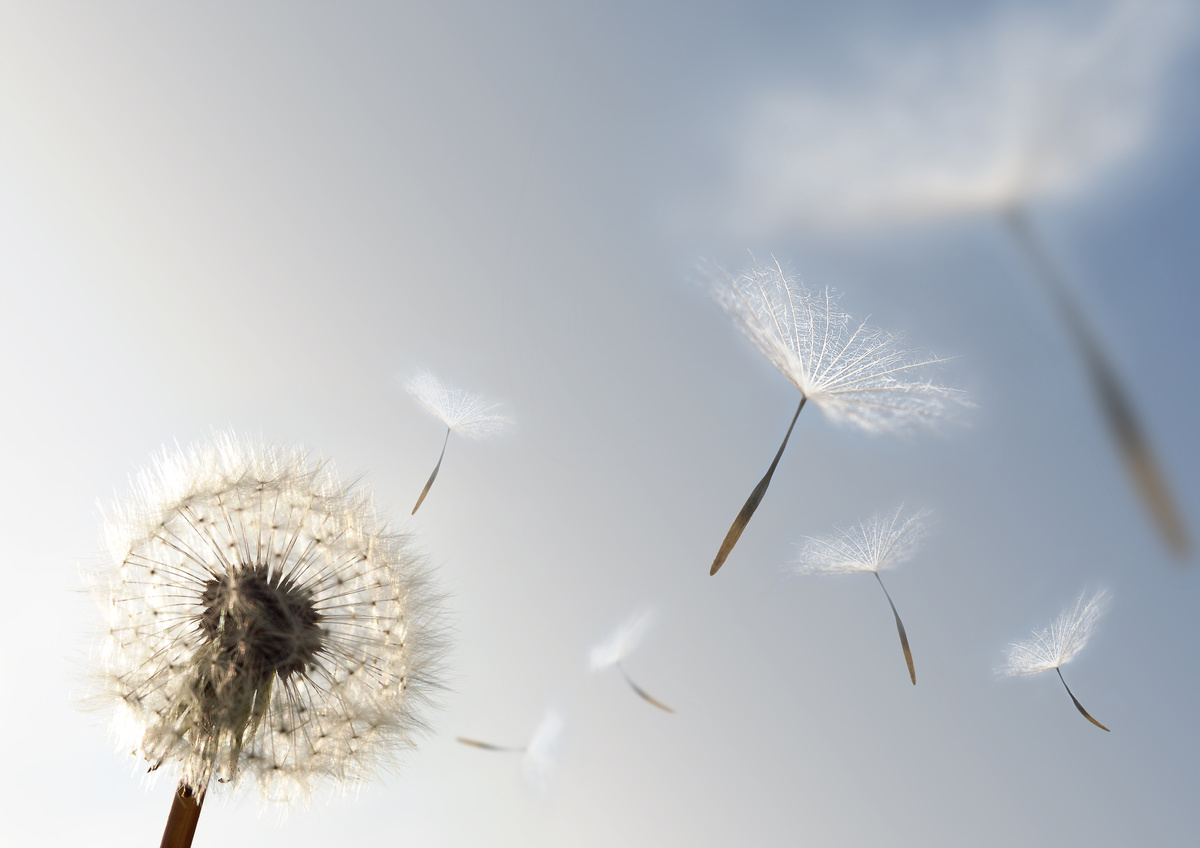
point(262, 216)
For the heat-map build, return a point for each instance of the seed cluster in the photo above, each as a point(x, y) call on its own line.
point(262, 622)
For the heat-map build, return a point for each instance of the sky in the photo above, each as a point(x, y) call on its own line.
point(264, 217)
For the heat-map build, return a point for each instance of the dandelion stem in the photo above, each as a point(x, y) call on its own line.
point(912, 671)
point(1114, 401)
point(1078, 705)
point(642, 693)
point(433, 476)
point(181, 822)
point(743, 517)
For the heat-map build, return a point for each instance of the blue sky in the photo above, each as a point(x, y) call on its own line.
point(263, 217)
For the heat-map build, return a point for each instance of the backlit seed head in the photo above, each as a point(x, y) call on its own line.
point(263, 622)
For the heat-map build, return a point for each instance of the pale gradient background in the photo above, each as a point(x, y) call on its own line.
point(263, 215)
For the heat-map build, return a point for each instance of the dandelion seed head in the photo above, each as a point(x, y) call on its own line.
point(461, 411)
point(622, 641)
point(883, 541)
point(853, 373)
point(262, 622)
point(1056, 645)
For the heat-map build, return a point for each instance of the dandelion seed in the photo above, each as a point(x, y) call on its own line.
point(882, 542)
point(854, 374)
point(1038, 103)
point(460, 410)
point(1058, 644)
point(616, 647)
point(541, 755)
point(262, 623)
point(539, 760)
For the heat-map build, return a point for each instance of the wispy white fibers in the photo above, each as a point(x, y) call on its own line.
point(263, 623)
point(853, 373)
point(613, 650)
point(883, 541)
point(541, 754)
point(622, 640)
point(1055, 646)
point(459, 410)
point(1035, 101)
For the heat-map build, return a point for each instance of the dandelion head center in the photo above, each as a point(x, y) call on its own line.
point(261, 623)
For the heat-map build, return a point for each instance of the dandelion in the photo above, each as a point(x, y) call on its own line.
point(262, 624)
point(540, 754)
point(1037, 104)
point(616, 647)
point(882, 542)
point(853, 374)
point(458, 409)
point(1058, 644)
